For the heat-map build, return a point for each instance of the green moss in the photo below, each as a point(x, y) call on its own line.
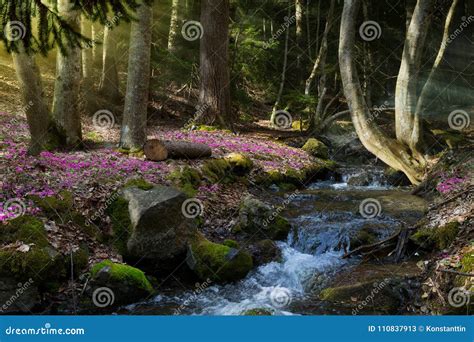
point(364, 236)
point(206, 128)
point(119, 273)
point(296, 125)
point(60, 205)
point(25, 228)
point(187, 179)
point(467, 263)
point(258, 312)
point(219, 262)
point(452, 139)
point(316, 148)
point(240, 163)
point(280, 227)
point(121, 224)
point(218, 170)
point(440, 237)
point(231, 243)
point(93, 136)
point(139, 183)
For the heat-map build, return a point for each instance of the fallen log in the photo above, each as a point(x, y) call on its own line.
point(158, 150)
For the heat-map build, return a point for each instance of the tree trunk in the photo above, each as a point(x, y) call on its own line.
point(133, 133)
point(214, 95)
point(406, 96)
point(66, 102)
point(368, 59)
point(97, 38)
point(109, 81)
point(173, 26)
point(158, 150)
point(299, 38)
point(87, 62)
point(36, 109)
point(390, 151)
point(320, 61)
point(283, 74)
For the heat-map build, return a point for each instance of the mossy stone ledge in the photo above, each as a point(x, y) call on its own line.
point(217, 262)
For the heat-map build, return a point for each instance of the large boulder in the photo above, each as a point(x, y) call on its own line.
point(219, 263)
point(264, 252)
point(260, 221)
point(114, 284)
point(151, 224)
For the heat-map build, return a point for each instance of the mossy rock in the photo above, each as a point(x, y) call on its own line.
point(218, 170)
point(187, 179)
point(231, 243)
point(365, 297)
point(265, 251)
point(260, 221)
point(121, 223)
point(440, 237)
point(139, 183)
point(120, 275)
point(240, 163)
point(364, 236)
point(206, 128)
point(60, 205)
point(257, 312)
point(217, 262)
point(467, 263)
point(316, 148)
point(41, 263)
point(297, 126)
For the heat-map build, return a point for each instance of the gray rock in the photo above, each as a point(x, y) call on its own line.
point(160, 230)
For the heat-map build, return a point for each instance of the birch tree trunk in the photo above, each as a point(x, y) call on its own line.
point(283, 73)
point(390, 151)
point(214, 95)
point(133, 133)
point(87, 62)
point(406, 94)
point(320, 61)
point(299, 37)
point(35, 107)
point(66, 102)
point(173, 26)
point(109, 80)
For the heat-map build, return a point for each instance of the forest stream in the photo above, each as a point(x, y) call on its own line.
point(326, 219)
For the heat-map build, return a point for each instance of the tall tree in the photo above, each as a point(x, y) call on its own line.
point(214, 94)
point(389, 150)
point(37, 112)
point(87, 62)
point(407, 126)
point(133, 133)
point(299, 37)
point(174, 25)
point(109, 80)
point(66, 102)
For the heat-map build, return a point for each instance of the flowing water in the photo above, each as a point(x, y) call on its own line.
point(326, 217)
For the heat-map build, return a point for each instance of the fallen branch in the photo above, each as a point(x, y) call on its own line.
point(371, 247)
point(456, 272)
